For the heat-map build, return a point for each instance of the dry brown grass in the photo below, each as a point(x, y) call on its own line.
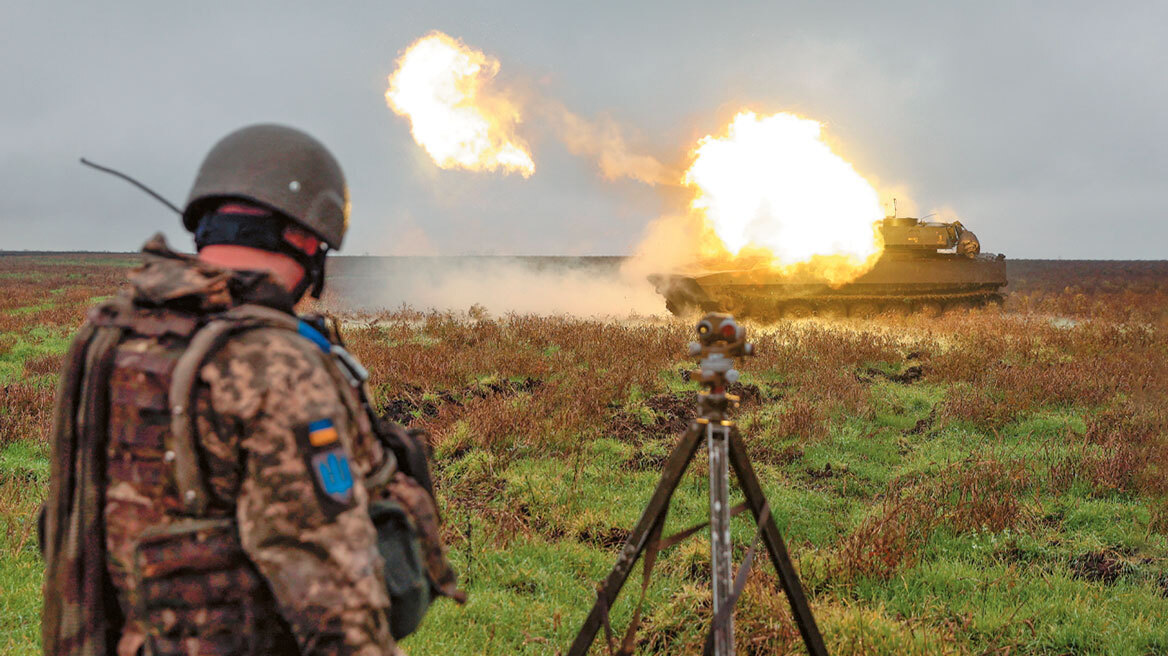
point(887, 541)
point(26, 412)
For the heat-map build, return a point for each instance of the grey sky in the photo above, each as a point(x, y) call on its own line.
point(1044, 125)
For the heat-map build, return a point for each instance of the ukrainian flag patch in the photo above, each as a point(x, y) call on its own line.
point(322, 432)
point(328, 464)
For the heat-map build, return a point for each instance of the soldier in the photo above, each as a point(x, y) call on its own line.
point(214, 460)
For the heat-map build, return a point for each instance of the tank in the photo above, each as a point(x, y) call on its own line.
point(926, 267)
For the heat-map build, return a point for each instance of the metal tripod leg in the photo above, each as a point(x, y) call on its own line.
point(789, 580)
point(717, 438)
point(654, 512)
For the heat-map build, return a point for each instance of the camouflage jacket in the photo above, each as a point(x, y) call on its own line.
point(283, 459)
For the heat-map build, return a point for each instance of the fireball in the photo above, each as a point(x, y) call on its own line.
point(771, 187)
point(456, 115)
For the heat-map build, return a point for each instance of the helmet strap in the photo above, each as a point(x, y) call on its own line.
point(313, 280)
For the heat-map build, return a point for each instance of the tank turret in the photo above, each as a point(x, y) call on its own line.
point(903, 233)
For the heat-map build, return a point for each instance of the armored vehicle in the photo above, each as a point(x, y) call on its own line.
point(926, 267)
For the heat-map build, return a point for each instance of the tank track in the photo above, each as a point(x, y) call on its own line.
point(852, 305)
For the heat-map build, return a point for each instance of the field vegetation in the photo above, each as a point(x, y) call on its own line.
point(990, 482)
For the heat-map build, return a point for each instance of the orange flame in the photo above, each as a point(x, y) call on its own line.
point(771, 188)
point(443, 87)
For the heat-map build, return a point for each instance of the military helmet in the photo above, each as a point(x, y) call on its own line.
point(278, 167)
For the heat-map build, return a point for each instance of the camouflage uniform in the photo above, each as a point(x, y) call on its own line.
point(298, 569)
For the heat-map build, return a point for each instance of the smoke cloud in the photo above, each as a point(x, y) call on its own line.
point(602, 140)
point(669, 242)
point(582, 287)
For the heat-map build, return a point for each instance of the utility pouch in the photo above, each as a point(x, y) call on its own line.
point(405, 575)
point(419, 506)
point(197, 590)
point(408, 539)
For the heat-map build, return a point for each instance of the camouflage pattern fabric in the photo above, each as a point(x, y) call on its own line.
point(317, 551)
point(288, 562)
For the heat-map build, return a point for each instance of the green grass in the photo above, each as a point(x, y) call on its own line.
point(24, 472)
point(36, 342)
point(1012, 588)
point(525, 600)
point(529, 593)
point(32, 309)
point(26, 460)
point(1016, 590)
point(1035, 609)
point(21, 574)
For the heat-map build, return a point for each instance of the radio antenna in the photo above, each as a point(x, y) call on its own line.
point(158, 197)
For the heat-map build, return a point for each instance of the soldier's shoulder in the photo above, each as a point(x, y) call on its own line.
point(275, 337)
point(271, 350)
point(266, 359)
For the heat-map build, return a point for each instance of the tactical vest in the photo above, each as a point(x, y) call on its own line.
point(182, 577)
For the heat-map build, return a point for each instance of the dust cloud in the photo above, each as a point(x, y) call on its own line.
point(592, 287)
point(668, 243)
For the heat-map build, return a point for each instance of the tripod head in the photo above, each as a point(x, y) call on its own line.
point(720, 340)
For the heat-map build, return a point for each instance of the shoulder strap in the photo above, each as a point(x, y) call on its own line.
point(80, 614)
point(182, 452)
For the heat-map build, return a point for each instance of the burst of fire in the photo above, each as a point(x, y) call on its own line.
point(443, 88)
point(772, 188)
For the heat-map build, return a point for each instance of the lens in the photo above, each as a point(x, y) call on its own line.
point(704, 327)
point(729, 330)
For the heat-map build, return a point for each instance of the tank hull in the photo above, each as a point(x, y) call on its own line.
point(927, 282)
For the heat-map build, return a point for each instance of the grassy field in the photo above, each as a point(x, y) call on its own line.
point(993, 482)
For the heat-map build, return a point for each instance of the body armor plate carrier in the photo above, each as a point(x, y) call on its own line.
point(183, 580)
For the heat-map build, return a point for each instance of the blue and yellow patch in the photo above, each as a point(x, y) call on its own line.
point(328, 463)
point(322, 433)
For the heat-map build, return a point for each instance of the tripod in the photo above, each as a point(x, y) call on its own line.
point(720, 340)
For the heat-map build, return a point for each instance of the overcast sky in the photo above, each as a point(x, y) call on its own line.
point(1044, 125)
